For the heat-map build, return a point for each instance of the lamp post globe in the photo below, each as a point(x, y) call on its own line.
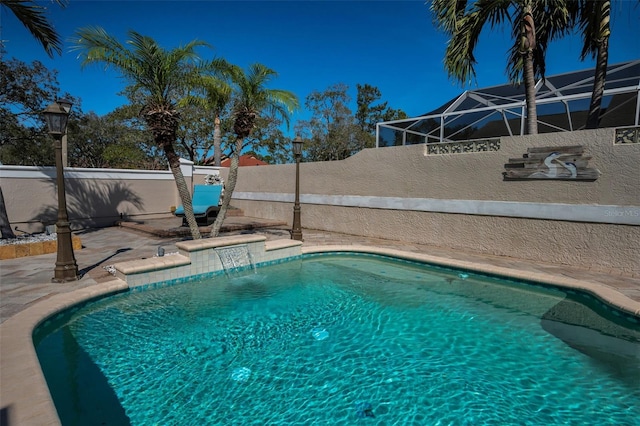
point(296, 231)
point(57, 117)
point(66, 105)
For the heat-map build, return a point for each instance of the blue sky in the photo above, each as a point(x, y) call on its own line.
point(311, 44)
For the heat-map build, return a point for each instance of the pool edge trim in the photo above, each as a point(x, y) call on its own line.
point(23, 389)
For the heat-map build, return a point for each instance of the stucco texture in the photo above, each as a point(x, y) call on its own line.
point(408, 172)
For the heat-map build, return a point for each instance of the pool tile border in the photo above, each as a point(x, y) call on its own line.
point(23, 389)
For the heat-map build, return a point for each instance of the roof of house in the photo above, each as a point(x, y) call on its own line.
point(245, 160)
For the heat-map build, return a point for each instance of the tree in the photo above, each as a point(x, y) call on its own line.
point(251, 100)
point(368, 114)
point(213, 93)
point(331, 133)
point(32, 16)
point(195, 136)
point(270, 140)
point(593, 18)
point(25, 91)
point(134, 148)
point(534, 24)
point(114, 140)
point(5, 226)
point(159, 76)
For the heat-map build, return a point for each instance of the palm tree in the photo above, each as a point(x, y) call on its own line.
point(592, 18)
point(158, 76)
point(33, 18)
point(251, 99)
point(215, 96)
point(534, 24)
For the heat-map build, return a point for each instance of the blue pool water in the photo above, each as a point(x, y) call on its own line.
point(344, 339)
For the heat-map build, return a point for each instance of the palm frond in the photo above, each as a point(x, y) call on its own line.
point(459, 55)
point(159, 74)
point(208, 92)
point(33, 17)
point(594, 24)
point(447, 14)
point(95, 45)
point(253, 97)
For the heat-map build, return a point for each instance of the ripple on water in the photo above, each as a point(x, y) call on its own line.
point(336, 342)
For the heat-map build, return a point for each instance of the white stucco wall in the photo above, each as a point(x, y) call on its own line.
point(458, 201)
point(95, 197)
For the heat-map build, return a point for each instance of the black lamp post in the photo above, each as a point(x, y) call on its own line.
point(57, 116)
point(296, 232)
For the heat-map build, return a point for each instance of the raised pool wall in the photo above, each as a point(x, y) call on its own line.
point(457, 201)
point(198, 259)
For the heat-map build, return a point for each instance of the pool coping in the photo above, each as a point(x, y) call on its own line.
point(23, 389)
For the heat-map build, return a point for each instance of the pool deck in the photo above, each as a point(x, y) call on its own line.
point(27, 294)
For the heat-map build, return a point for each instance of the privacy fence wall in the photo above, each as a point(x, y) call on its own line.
point(569, 198)
point(95, 197)
point(461, 199)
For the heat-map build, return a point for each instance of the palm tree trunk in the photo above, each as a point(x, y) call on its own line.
point(217, 142)
point(228, 189)
point(183, 190)
point(530, 90)
point(5, 225)
point(598, 84)
point(527, 46)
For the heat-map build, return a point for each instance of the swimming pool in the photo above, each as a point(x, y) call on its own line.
point(340, 339)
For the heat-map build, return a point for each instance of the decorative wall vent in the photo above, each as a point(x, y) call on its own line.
point(551, 162)
point(462, 147)
point(627, 135)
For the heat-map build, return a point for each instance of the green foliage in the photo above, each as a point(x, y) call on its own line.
point(368, 115)
point(159, 79)
point(116, 140)
point(210, 96)
point(268, 138)
point(158, 75)
point(25, 91)
point(333, 132)
point(465, 20)
point(533, 23)
point(195, 134)
point(253, 98)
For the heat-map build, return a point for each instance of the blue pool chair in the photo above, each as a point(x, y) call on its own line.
point(206, 204)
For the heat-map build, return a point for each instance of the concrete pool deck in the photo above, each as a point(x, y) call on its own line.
point(27, 294)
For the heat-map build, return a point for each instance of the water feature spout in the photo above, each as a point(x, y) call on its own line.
point(235, 258)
